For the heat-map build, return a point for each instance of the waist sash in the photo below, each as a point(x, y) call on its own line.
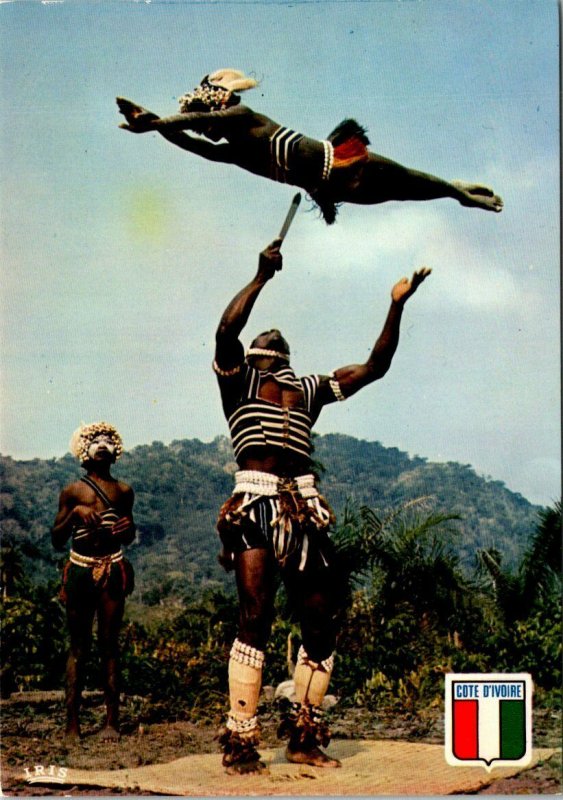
point(100, 565)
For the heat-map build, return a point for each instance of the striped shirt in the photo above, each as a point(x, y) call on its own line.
point(256, 422)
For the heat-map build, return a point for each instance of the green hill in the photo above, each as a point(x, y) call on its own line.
point(180, 487)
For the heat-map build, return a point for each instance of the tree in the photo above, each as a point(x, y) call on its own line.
point(527, 604)
point(11, 566)
point(410, 605)
point(409, 550)
point(538, 574)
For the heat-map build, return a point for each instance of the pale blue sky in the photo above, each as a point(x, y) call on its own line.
point(119, 252)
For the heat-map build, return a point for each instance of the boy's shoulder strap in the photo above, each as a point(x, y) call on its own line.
point(99, 491)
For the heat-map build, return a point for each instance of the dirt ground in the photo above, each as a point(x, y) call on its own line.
point(32, 733)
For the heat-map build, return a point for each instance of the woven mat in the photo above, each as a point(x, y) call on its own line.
point(368, 768)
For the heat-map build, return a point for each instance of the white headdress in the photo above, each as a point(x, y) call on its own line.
point(84, 435)
point(232, 79)
point(215, 91)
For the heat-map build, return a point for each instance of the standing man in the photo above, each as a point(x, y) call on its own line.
point(96, 511)
point(276, 521)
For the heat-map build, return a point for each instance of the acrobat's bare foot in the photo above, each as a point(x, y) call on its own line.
point(109, 734)
point(139, 120)
point(313, 756)
point(476, 196)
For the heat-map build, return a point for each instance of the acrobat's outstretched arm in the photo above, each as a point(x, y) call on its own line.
point(212, 152)
point(204, 120)
point(356, 376)
point(139, 120)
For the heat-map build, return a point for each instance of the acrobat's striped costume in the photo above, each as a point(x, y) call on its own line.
point(287, 514)
point(345, 148)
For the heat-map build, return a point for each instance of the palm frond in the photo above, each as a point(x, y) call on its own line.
point(541, 564)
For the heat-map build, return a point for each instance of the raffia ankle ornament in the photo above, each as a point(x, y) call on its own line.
point(307, 733)
point(239, 747)
point(304, 727)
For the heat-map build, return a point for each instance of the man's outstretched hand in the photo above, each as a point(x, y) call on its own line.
point(139, 120)
point(404, 288)
point(270, 261)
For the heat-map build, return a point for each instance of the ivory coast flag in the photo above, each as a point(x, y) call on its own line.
point(488, 719)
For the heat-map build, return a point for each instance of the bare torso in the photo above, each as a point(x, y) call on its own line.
point(97, 528)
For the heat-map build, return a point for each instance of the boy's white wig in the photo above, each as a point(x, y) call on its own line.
point(231, 79)
point(84, 435)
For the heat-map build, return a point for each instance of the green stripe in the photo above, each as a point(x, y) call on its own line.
point(512, 729)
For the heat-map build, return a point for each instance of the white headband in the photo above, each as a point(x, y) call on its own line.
point(261, 351)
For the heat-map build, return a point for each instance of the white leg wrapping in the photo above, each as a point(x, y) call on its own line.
point(245, 681)
point(311, 679)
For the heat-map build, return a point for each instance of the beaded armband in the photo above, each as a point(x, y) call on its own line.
point(226, 373)
point(335, 386)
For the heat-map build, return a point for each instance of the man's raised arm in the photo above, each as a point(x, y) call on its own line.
point(228, 351)
point(356, 376)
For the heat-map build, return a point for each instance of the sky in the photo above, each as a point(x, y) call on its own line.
point(120, 252)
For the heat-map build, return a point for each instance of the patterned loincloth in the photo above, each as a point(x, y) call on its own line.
point(287, 515)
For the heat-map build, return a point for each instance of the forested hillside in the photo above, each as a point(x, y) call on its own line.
point(444, 571)
point(180, 487)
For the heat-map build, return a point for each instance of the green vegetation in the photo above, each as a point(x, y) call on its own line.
point(420, 615)
point(446, 572)
point(179, 489)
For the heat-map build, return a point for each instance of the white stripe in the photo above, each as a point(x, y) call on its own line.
point(262, 519)
point(283, 140)
point(279, 144)
point(287, 145)
point(282, 443)
point(254, 383)
point(274, 427)
point(253, 433)
point(489, 728)
point(269, 411)
point(310, 385)
point(304, 549)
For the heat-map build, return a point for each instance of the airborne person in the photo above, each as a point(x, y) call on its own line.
point(340, 169)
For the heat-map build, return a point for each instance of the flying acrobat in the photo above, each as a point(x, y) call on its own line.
point(338, 170)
